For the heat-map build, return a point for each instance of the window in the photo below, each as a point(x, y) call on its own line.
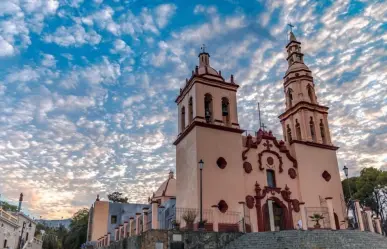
point(208, 107)
point(290, 97)
point(190, 110)
point(310, 93)
point(26, 237)
point(298, 130)
point(113, 219)
point(322, 131)
point(5, 244)
point(225, 110)
point(289, 132)
point(270, 178)
point(312, 130)
point(222, 206)
point(182, 119)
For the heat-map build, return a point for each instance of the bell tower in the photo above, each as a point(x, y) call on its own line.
point(306, 132)
point(304, 119)
point(208, 130)
point(207, 97)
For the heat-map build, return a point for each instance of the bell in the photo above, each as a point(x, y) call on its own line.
point(224, 110)
point(208, 115)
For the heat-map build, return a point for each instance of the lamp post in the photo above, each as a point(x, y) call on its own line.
point(350, 204)
point(201, 164)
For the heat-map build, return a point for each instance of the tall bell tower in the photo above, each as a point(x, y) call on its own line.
point(304, 119)
point(306, 132)
point(208, 130)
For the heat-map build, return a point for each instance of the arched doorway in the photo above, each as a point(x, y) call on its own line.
point(280, 212)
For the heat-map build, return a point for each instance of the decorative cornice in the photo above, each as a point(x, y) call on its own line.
point(207, 125)
point(261, 135)
point(296, 71)
point(303, 105)
point(292, 42)
point(210, 82)
point(308, 143)
point(293, 78)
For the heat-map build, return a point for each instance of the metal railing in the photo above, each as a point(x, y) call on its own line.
point(194, 213)
point(229, 217)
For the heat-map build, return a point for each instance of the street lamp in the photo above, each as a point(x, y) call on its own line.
point(201, 164)
point(345, 169)
point(350, 204)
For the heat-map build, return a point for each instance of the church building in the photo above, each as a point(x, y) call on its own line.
point(270, 179)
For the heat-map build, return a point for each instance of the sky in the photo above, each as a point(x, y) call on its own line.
point(87, 87)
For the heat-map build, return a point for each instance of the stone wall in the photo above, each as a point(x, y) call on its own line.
point(168, 239)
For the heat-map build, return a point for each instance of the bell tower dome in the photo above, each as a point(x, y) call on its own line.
point(207, 98)
point(304, 119)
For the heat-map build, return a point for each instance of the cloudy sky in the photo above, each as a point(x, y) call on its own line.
point(87, 87)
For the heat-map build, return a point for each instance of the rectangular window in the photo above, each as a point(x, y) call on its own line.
point(270, 178)
point(5, 244)
point(113, 219)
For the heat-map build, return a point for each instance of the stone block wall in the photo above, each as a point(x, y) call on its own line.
point(167, 239)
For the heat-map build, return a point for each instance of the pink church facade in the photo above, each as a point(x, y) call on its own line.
point(276, 180)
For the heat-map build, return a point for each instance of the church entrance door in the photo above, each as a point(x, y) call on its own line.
point(275, 217)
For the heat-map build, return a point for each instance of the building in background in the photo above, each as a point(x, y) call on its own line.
point(9, 230)
point(18, 230)
point(55, 223)
point(105, 217)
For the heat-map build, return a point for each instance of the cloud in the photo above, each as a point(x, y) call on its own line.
point(73, 36)
point(120, 46)
point(163, 13)
point(6, 49)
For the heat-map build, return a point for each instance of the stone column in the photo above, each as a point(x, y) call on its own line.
point(378, 226)
point(155, 215)
point(131, 220)
point(215, 214)
point(125, 229)
point(108, 239)
point(105, 240)
point(358, 215)
point(271, 215)
point(243, 215)
point(368, 212)
point(120, 228)
point(304, 218)
point(331, 213)
point(144, 218)
point(138, 223)
point(116, 234)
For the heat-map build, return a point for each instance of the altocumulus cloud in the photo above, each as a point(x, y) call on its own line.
point(87, 87)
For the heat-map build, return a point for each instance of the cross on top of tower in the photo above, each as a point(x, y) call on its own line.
point(291, 27)
point(203, 48)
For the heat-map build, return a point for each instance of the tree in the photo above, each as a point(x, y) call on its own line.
point(50, 241)
point(117, 197)
point(370, 188)
point(8, 207)
point(78, 230)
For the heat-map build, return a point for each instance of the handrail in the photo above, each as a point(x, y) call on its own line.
point(8, 216)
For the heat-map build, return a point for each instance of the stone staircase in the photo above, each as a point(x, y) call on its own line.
point(316, 239)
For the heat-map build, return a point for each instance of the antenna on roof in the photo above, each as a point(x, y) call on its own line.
point(261, 125)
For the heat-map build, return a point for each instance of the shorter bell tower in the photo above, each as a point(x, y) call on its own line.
point(208, 131)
